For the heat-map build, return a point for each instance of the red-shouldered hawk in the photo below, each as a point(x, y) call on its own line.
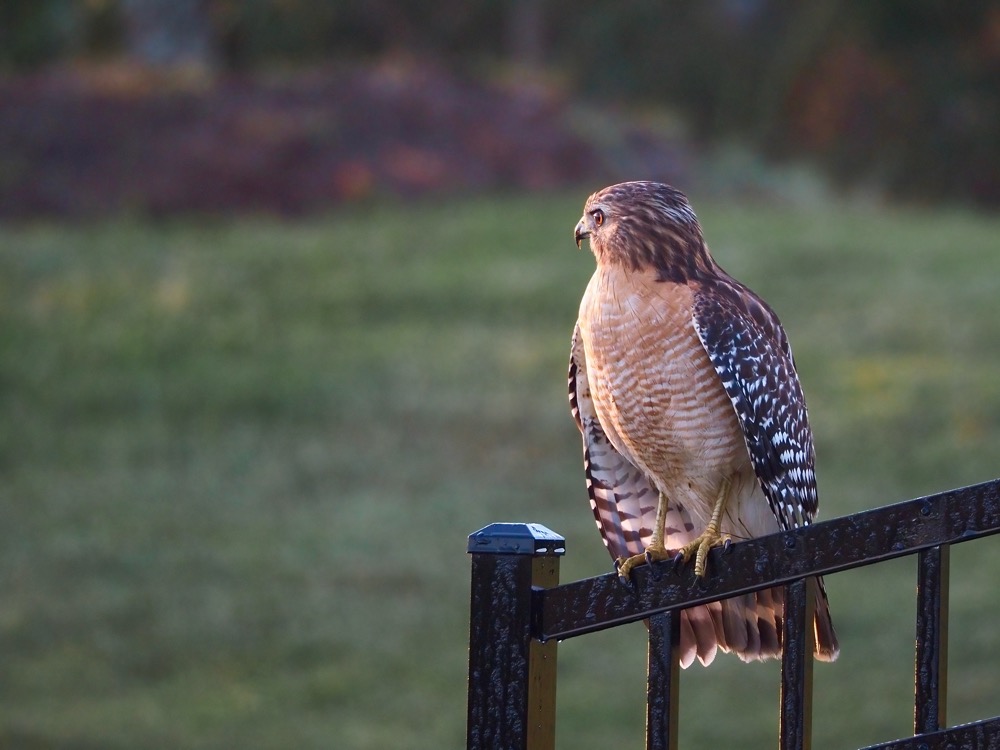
point(694, 425)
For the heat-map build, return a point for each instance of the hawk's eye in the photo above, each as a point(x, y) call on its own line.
point(598, 217)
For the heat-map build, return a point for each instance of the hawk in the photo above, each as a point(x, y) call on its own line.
point(695, 430)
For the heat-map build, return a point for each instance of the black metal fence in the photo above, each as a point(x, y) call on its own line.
point(519, 613)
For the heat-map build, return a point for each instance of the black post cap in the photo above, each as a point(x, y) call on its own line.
point(516, 539)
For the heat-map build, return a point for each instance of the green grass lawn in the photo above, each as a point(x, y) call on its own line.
point(239, 462)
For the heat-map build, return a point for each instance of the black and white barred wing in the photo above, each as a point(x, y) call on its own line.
point(750, 352)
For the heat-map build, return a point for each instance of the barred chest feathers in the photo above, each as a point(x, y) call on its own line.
point(659, 401)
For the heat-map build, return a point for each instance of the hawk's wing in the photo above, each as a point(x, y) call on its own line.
point(750, 352)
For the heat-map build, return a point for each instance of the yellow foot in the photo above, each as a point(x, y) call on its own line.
point(652, 554)
point(700, 547)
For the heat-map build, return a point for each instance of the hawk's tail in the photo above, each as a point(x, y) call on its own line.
point(750, 627)
point(827, 645)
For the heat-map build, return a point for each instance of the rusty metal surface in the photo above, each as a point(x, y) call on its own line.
point(830, 546)
point(977, 735)
point(931, 655)
point(516, 609)
point(663, 682)
point(498, 652)
point(795, 710)
point(505, 566)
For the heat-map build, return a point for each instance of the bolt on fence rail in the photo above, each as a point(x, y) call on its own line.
point(519, 612)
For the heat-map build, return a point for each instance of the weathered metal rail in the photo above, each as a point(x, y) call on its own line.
point(519, 612)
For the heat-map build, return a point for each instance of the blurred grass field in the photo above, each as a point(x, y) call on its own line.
point(240, 461)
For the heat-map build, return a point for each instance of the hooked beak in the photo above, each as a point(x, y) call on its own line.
point(580, 233)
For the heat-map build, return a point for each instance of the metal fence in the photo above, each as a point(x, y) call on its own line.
point(519, 613)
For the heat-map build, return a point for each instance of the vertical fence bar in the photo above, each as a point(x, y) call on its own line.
point(663, 681)
point(511, 677)
point(795, 723)
point(542, 665)
point(931, 659)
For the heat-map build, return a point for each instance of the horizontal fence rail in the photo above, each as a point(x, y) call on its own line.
point(830, 546)
point(519, 613)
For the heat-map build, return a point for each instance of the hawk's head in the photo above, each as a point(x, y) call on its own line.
point(645, 225)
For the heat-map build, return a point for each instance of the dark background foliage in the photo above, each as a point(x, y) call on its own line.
point(899, 94)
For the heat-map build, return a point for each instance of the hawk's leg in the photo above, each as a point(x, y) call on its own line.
point(710, 537)
point(655, 551)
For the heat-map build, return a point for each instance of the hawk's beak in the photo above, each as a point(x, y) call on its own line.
point(580, 233)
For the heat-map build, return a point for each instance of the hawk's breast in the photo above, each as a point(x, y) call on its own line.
point(654, 389)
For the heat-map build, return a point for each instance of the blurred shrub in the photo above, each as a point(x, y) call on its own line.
point(36, 31)
point(900, 93)
point(904, 94)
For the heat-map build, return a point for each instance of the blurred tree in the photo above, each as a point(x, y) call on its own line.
point(904, 93)
point(525, 32)
point(168, 32)
point(901, 93)
point(908, 94)
point(33, 32)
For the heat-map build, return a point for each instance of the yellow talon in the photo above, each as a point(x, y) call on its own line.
point(710, 537)
point(700, 547)
point(652, 554)
point(655, 551)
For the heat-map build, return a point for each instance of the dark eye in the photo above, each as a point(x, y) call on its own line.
point(598, 217)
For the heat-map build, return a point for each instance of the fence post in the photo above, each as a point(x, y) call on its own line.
point(663, 681)
point(931, 671)
point(512, 678)
point(797, 645)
